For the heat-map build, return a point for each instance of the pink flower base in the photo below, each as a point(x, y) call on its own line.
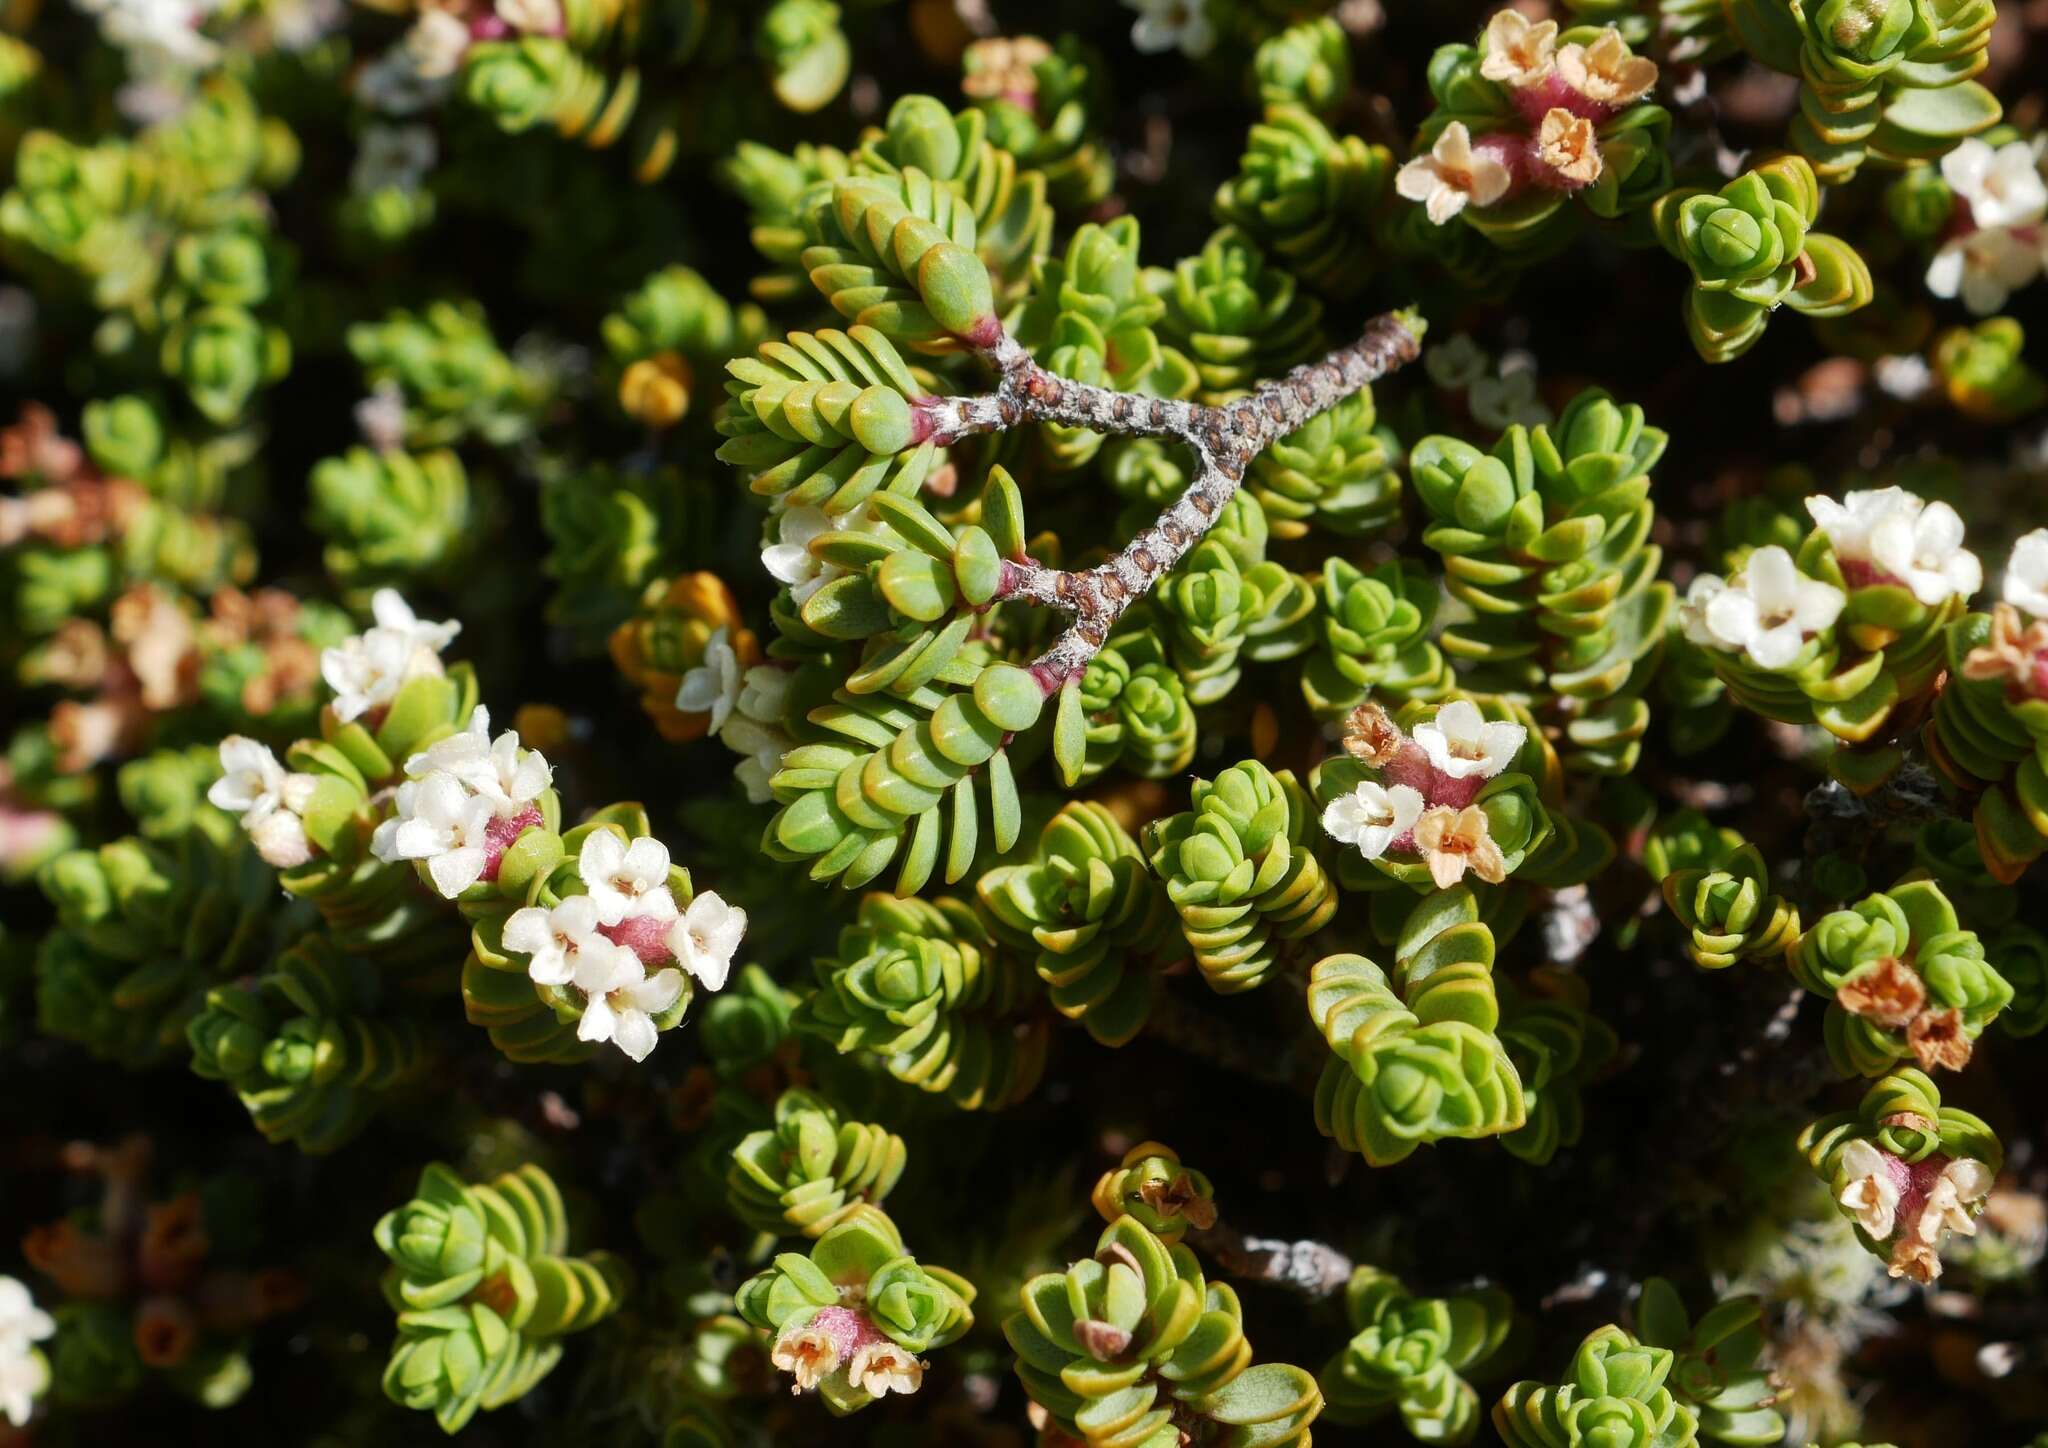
point(645, 936)
point(500, 834)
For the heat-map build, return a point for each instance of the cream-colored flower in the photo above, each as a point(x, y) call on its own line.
point(1452, 176)
point(1454, 841)
point(1871, 1196)
point(882, 1368)
point(1518, 53)
point(1606, 71)
point(807, 1355)
point(1961, 1187)
point(1566, 144)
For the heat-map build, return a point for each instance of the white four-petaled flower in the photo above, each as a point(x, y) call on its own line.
point(1904, 538)
point(367, 670)
point(622, 1005)
point(1372, 817)
point(1767, 611)
point(562, 944)
point(1453, 175)
point(2026, 574)
point(704, 938)
point(626, 879)
point(439, 820)
point(266, 797)
point(713, 687)
point(24, 1372)
point(1461, 744)
point(1984, 268)
point(510, 776)
point(2002, 184)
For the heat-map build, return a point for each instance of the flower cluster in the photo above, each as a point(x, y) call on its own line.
point(1556, 113)
point(623, 943)
point(1997, 236)
point(1426, 797)
point(464, 801)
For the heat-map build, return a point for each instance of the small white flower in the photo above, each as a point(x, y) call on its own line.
point(2003, 186)
point(436, 43)
point(509, 776)
point(460, 754)
point(1461, 744)
point(438, 820)
point(1926, 553)
point(624, 1012)
point(24, 1372)
point(555, 940)
point(713, 687)
point(1872, 1197)
point(1984, 268)
point(1850, 522)
point(1498, 402)
point(2026, 574)
point(267, 798)
point(626, 880)
point(1164, 25)
point(789, 558)
point(1767, 611)
point(1371, 817)
point(534, 17)
point(1458, 363)
point(21, 1321)
point(158, 33)
point(367, 670)
point(1452, 175)
point(1963, 1183)
point(705, 936)
point(394, 158)
point(1906, 376)
point(1916, 543)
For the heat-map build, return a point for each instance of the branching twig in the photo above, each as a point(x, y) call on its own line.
point(1316, 1270)
point(1225, 439)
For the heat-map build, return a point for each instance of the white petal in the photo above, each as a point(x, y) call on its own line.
point(417, 839)
point(1945, 272)
point(698, 691)
point(1772, 579)
point(529, 931)
point(454, 871)
point(634, 1034)
point(1774, 648)
point(646, 862)
point(1731, 617)
point(598, 1022)
point(1818, 606)
point(599, 859)
point(788, 562)
point(656, 993)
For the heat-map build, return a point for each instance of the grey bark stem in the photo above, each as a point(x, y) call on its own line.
point(1225, 439)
